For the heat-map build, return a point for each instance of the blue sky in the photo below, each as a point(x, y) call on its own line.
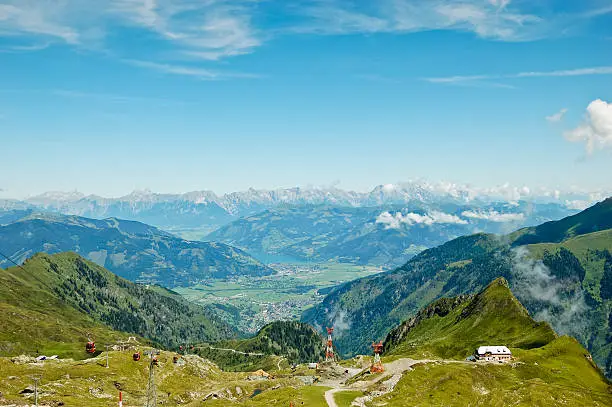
point(108, 96)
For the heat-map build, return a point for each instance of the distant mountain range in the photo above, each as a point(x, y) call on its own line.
point(205, 209)
point(383, 235)
point(54, 303)
point(130, 249)
point(561, 271)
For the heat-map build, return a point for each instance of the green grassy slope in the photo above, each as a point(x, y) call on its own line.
point(558, 373)
point(41, 324)
point(547, 370)
point(188, 383)
point(55, 300)
point(454, 327)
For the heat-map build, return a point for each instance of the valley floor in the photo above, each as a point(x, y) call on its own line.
point(258, 301)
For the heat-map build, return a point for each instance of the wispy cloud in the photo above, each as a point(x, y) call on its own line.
point(206, 30)
point(36, 17)
point(26, 48)
point(557, 117)
point(478, 79)
point(494, 216)
point(200, 73)
point(212, 28)
point(111, 97)
point(597, 12)
point(377, 78)
point(209, 30)
point(494, 19)
point(601, 70)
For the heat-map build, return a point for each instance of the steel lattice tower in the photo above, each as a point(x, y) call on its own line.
point(377, 365)
point(329, 350)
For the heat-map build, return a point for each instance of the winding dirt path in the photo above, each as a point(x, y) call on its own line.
point(396, 369)
point(235, 351)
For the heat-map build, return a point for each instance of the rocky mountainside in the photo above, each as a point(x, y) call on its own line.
point(57, 301)
point(133, 250)
point(565, 283)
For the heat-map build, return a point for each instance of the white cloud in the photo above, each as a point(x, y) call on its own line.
point(494, 19)
point(478, 79)
point(578, 204)
point(557, 117)
point(494, 216)
point(535, 282)
point(200, 73)
point(211, 30)
point(596, 130)
point(206, 29)
point(600, 70)
point(114, 98)
point(19, 17)
point(396, 221)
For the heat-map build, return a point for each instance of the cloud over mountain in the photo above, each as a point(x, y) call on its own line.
point(396, 221)
point(494, 216)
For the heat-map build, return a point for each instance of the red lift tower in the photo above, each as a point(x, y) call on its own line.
point(329, 350)
point(377, 366)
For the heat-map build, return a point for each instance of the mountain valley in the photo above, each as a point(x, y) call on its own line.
point(133, 250)
point(565, 283)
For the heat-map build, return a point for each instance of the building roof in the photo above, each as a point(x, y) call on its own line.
point(261, 373)
point(494, 350)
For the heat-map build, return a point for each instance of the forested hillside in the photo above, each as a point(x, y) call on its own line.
point(64, 292)
point(133, 250)
point(294, 341)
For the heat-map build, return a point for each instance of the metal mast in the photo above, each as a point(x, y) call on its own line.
point(151, 388)
point(329, 350)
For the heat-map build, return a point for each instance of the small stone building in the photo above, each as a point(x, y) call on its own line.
point(494, 353)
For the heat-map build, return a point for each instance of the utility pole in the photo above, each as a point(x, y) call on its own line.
point(107, 355)
point(151, 389)
point(36, 379)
